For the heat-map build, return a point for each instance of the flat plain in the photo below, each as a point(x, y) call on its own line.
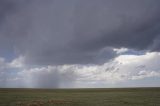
point(80, 97)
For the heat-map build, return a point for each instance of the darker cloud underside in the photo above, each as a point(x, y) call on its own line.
point(77, 31)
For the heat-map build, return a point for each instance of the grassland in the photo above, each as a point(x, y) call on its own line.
point(80, 97)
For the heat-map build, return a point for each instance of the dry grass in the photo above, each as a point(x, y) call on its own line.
point(43, 103)
point(80, 97)
point(58, 101)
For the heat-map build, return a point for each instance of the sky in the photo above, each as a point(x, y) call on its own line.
point(79, 43)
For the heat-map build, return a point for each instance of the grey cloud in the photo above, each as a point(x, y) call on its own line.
point(77, 31)
point(37, 77)
point(50, 79)
point(131, 24)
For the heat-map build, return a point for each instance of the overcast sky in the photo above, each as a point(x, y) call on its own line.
point(79, 43)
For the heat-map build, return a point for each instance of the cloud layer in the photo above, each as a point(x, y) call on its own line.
point(77, 31)
point(122, 70)
point(79, 43)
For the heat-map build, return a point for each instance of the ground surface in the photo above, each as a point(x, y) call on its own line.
point(80, 97)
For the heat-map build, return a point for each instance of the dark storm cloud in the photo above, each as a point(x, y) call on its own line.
point(125, 23)
point(77, 31)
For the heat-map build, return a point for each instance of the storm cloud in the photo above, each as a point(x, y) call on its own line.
point(64, 43)
point(77, 31)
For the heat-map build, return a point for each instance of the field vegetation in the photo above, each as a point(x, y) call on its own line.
point(81, 97)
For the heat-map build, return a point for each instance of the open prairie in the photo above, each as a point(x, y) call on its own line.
point(81, 97)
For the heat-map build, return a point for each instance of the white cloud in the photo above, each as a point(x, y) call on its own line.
point(120, 50)
point(145, 74)
point(123, 68)
point(127, 59)
point(18, 62)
